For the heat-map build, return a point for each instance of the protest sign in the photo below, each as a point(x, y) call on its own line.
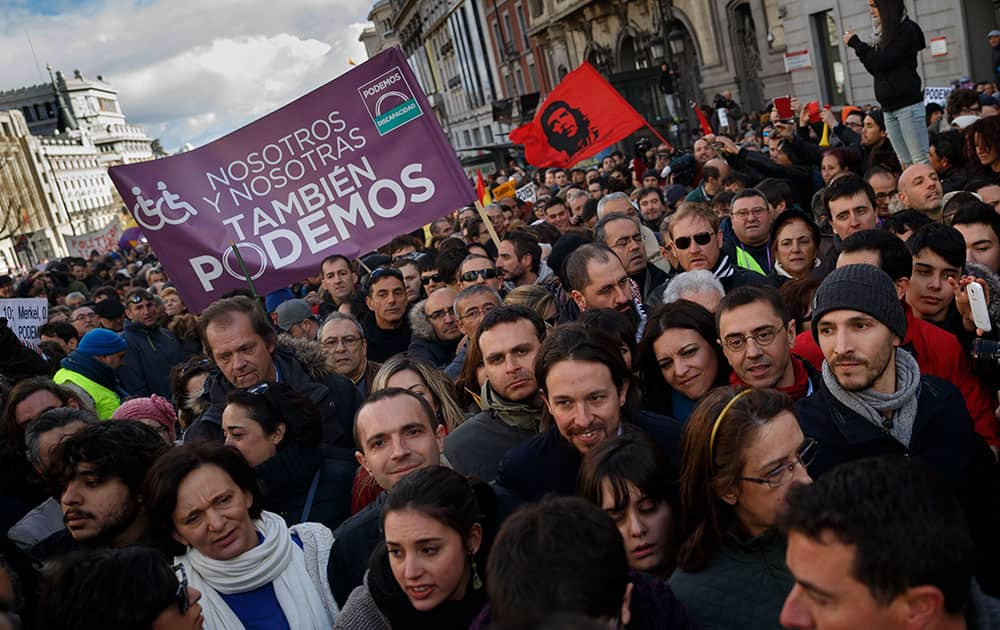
point(504, 190)
point(526, 193)
point(937, 95)
point(341, 170)
point(104, 241)
point(24, 316)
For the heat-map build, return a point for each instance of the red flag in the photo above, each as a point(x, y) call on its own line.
point(705, 127)
point(583, 115)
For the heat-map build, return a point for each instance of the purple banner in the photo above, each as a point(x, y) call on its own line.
point(341, 170)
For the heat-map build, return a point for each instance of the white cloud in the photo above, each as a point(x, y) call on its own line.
point(189, 70)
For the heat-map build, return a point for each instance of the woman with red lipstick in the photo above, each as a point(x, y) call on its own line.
point(741, 453)
point(429, 573)
point(679, 359)
point(627, 478)
point(252, 570)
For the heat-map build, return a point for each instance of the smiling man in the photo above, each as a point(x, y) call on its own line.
point(239, 339)
point(397, 433)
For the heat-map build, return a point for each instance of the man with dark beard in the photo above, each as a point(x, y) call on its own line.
point(873, 401)
point(99, 471)
point(566, 128)
point(597, 279)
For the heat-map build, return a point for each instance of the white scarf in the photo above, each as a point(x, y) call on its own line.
point(298, 575)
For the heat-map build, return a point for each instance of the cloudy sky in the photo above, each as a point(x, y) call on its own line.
point(187, 70)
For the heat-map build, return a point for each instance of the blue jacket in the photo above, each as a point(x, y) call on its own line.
point(151, 353)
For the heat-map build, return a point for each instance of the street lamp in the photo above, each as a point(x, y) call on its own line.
point(676, 37)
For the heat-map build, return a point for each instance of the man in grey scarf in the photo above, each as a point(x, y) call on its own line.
point(874, 401)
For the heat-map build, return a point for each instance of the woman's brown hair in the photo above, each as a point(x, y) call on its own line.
point(712, 465)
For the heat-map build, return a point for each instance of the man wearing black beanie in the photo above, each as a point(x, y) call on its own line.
point(873, 401)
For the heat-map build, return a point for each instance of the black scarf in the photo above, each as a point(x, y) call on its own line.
point(395, 605)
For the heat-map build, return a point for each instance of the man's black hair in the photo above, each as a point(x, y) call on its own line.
point(905, 221)
point(776, 191)
point(973, 185)
point(525, 244)
point(847, 186)
point(894, 258)
point(905, 525)
point(508, 314)
point(449, 261)
point(978, 212)
point(949, 145)
point(64, 330)
point(562, 554)
point(943, 240)
point(122, 449)
point(751, 294)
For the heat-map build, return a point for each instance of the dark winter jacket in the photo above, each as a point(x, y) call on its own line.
point(382, 344)
point(286, 481)
point(894, 66)
point(547, 463)
point(302, 364)
point(744, 586)
point(943, 438)
point(151, 354)
point(353, 544)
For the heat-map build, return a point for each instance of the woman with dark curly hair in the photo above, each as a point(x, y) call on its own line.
point(982, 147)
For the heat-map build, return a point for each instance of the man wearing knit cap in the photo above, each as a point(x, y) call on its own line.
point(873, 401)
point(91, 369)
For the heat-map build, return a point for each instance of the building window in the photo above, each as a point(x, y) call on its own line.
point(488, 134)
point(537, 7)
point(831, 68)
point(498, 37)
point(510, 32)
point(520, 80)
point(477, 137)
point(522, 24)
point(533, 76)
point(50, 111)
point(467, 138)
point(38, 112)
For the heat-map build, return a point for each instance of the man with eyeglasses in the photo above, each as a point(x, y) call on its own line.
point(757, 337)
point(343, 341)
point(471, 306)
point(477, 269)
point(695, 239)
point(886, 193)
point(152, 350)
point(435, 330)
point(623, 235)
point(84, 319)
point(386, 327)
point(750, 220)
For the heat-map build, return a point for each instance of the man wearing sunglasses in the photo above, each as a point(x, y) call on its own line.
point(757, 338)
point(478, 270)
point(152, 349)
point(435, 329)
point(695, 240)
point(873, 400)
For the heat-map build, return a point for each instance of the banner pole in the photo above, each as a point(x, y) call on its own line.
point(659, 137)
point(489, 224)
point(367, 269)
point(243, 266)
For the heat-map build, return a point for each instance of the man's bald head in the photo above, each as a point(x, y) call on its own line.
point(920, 190)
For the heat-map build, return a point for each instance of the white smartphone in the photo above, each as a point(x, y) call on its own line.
point(980, 314)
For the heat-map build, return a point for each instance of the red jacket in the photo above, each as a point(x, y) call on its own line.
point(938, 353)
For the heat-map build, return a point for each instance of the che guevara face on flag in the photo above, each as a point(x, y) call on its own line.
point(567, 128)
point(581, 116)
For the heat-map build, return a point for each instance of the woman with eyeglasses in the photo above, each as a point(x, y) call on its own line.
point(794, 241)
point(439, 527)
point(252, 570)
point(741, 452)
point(680, 359)
point(131, 588)
point(278, 431)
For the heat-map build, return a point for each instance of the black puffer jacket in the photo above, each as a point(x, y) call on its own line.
point(894, 66)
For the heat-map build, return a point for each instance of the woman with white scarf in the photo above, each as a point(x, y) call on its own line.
point(252, 570)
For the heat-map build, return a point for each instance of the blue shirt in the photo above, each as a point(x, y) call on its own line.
point(259, 609)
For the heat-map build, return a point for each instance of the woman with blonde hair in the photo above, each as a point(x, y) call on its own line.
point(425, 381)
point(538, 299)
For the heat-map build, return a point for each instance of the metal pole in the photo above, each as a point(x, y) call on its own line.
point(680, 91)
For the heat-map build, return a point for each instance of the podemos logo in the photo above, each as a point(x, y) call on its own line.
point(390, 101)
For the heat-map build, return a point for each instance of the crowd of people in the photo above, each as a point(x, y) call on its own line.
point(736, 387)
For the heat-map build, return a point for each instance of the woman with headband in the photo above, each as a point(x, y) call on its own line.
point(740, 453)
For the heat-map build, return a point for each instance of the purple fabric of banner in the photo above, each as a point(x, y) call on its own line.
point(341, 170)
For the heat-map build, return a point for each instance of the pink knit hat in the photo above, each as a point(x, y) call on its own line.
point(152, 408)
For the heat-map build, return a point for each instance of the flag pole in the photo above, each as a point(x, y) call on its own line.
point(367, 269)
point(243, 266)
point(489, 224)
point(657, 134)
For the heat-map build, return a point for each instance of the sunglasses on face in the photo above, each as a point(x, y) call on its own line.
point(485, 274)
point(139, 297)
point(702, 238)
point(425, 280)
